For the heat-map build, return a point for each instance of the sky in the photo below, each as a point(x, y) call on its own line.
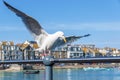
point(100, 18)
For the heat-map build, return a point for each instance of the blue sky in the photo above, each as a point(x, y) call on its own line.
point(100, 18)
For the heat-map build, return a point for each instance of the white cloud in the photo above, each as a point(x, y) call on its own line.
point(105, 26)
point(11, 28)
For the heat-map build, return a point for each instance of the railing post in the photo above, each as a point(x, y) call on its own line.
point(48, 67)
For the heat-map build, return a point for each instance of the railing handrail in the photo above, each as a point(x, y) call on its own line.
point(66, 60)
point(89, 60)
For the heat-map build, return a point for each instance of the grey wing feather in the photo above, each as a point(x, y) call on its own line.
point(32, 25)
point(69, 39)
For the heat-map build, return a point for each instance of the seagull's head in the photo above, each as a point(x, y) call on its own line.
point(60, 34)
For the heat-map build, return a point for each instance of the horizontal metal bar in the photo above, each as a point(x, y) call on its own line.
point(21, 62)
point(89, 60)
point(67, 60)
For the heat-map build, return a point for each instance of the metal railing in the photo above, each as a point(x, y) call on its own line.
point(49, 61)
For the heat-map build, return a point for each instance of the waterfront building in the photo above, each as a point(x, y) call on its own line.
point(103, 51)
point(112, 51)
point(28, 49)
point(70, 51)
point(115, 52)
point(9, 51)
point(59, 54)
point(77, 51)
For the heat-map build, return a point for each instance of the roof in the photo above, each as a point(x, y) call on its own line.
point(35, 46)
point(4, 42)
point(32, 44)
point(24, 46)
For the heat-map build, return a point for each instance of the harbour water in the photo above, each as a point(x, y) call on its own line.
point(67, 74)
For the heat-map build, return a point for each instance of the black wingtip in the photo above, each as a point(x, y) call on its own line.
point(87, 35)
point(5, 3)
point(9, 6)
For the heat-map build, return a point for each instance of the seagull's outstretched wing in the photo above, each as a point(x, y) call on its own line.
point(69, 39)
point(32, 25)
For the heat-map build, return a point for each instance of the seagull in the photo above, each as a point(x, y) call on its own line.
point(44, 40)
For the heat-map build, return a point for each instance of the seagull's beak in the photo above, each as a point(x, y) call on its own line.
point(64, 39)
